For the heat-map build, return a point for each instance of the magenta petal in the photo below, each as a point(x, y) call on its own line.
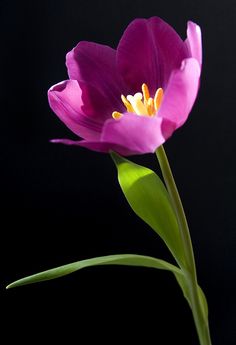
point(194, 41)
point(148, 51)
point(139, 134)
point(106, 147)
point(65, 99)
point(181, 92)
point(98, 146)
point(95, 64)
point(130, 135)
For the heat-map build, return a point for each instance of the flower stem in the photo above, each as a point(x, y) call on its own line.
point(201, 321)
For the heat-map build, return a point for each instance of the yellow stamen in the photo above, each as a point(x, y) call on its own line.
point(158, 98)
point(137, 104)
point(146, 94)
point(141, 104)
point(150, 107)
point(116, 115)
point(127, 104)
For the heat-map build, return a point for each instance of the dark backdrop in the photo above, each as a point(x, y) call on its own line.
point(61, 204)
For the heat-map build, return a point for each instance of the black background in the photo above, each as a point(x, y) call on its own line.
point(61, 204)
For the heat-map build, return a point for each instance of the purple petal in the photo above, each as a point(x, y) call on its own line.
point(98, 146)
point(130, 135)
point(147, 53)
point(95, 64)
point(139, 134)
point(65, 99)
point(194, 41)
point(181, 92)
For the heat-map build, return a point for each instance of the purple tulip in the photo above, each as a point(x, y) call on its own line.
point(130, 100)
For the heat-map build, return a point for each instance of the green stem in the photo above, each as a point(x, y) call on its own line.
point(200, 319)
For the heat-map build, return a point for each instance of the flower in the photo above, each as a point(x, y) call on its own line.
point(102, 101)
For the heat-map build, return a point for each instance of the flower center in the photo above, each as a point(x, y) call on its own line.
point(141, 103)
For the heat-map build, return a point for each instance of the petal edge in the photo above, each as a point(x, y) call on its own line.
point(194, 41)
point(181, 92)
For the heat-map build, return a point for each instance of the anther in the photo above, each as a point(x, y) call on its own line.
point(116, 115)
point(127, 104)
point(150, 106)
point(158, 98)
point(146, 94)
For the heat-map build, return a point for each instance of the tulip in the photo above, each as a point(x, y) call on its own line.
point(130, 100)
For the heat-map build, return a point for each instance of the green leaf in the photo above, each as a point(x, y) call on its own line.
point(149, 199)
point(183, 283)
point(203, 302)
point(121, 259)
point(181, 279)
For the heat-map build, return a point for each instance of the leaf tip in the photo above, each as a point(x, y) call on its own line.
point(13, 284)
point(9, 286)
point(114, 157)
point(117, 159)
